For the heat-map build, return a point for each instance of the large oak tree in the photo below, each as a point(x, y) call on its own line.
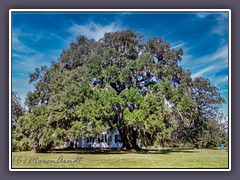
point(118, 82)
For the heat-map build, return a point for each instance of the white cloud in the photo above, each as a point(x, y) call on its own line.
point(220, 21)
point(178, 45)
point(224, 91)
point(210, 64)
point(221, 27)
point(221, 79)
point(203, 71)
point(125, 13)
point(93, 30)
point(181, 44)
point(24, 57)
point(168, 33)
point(27, 63)
point(222, 18)
point(202, 14)
point(222, 53)
point(18, 45)
point(219, 57)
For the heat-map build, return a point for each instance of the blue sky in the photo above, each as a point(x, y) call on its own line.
point(39, 38)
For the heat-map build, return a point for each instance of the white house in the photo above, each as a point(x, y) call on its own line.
point(107, 140)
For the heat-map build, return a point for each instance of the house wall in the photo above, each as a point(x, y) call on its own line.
point(110, 142)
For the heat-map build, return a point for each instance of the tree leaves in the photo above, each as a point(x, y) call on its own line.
point(118, 82)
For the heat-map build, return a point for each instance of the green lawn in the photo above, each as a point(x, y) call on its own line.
point(171, 158)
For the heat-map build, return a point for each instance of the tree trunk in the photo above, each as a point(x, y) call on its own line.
point(38, 148)
point(129, 138)
point(128, 134)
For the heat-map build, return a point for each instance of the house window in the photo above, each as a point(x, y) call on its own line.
point(90, 139)
point(104, 138)
point(117, 139)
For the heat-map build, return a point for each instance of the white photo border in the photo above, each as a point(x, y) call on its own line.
point(115, 11)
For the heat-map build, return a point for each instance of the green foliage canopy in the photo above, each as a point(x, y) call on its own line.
point(119, 82)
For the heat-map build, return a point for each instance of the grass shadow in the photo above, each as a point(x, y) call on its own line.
point(90, 151)
point(167, 151)
point(119, 151)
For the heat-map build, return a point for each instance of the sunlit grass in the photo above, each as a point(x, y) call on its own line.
point(174, 158)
